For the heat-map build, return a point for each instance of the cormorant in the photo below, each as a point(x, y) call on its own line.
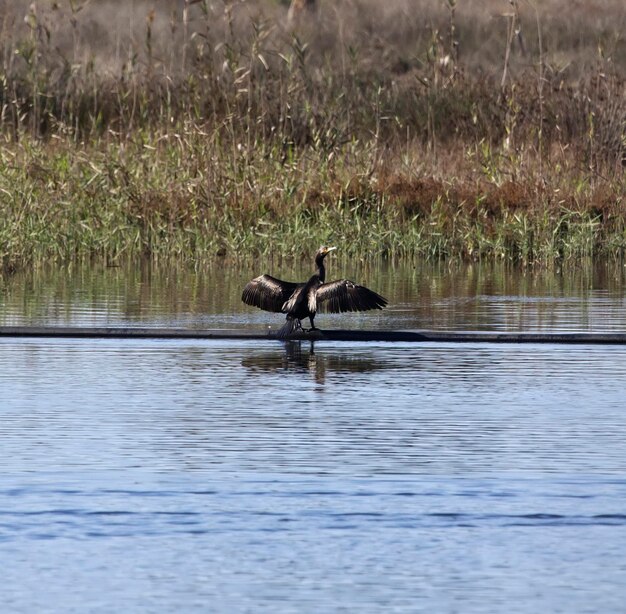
point(302, 300)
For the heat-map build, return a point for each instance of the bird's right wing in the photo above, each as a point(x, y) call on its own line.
point(344, 295)
point(268, 293)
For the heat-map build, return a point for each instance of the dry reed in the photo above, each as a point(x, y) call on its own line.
point(444, 129)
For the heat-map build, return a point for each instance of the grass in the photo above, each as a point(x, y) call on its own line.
point(423, 129)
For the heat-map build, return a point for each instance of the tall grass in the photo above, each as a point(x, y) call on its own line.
point(204, 129)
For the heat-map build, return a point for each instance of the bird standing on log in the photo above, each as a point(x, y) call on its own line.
point(302, 300)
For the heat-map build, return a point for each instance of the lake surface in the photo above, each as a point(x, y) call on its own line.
point(233, 476)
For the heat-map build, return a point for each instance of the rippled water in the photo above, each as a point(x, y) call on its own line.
point(160, 476)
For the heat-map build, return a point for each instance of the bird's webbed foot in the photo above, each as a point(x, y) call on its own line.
point(313, 327)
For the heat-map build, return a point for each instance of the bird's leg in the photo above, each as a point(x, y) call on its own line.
point(311, 317)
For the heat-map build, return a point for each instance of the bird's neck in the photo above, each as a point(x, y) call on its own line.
point(321, 270)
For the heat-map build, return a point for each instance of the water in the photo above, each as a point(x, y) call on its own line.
point(160, 476)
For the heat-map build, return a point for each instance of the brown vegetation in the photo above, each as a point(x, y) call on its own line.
point(463, 124)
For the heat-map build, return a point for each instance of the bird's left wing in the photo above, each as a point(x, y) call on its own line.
point(345, 295)
point(268, 293)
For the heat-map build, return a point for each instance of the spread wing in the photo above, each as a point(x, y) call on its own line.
point(268, 293)
point(345, 295)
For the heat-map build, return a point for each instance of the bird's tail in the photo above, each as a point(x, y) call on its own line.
point(288, 328)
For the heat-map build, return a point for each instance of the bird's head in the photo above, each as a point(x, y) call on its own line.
point(323, 251)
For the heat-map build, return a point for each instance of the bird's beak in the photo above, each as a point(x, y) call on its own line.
point(330, 249)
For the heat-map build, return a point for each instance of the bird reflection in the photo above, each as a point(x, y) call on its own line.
point(299, 357)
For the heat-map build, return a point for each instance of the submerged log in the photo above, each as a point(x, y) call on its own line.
point(416, 336)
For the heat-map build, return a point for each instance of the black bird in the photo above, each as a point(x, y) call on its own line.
point(302, 300)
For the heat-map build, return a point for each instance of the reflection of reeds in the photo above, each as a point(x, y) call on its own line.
point(213, 128)
point(151, 291)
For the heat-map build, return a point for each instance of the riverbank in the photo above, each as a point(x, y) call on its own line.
point(259, 139)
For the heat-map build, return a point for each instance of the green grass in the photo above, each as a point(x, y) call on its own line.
point(62, 201)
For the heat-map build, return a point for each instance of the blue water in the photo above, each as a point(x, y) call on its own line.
point(195, 476)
